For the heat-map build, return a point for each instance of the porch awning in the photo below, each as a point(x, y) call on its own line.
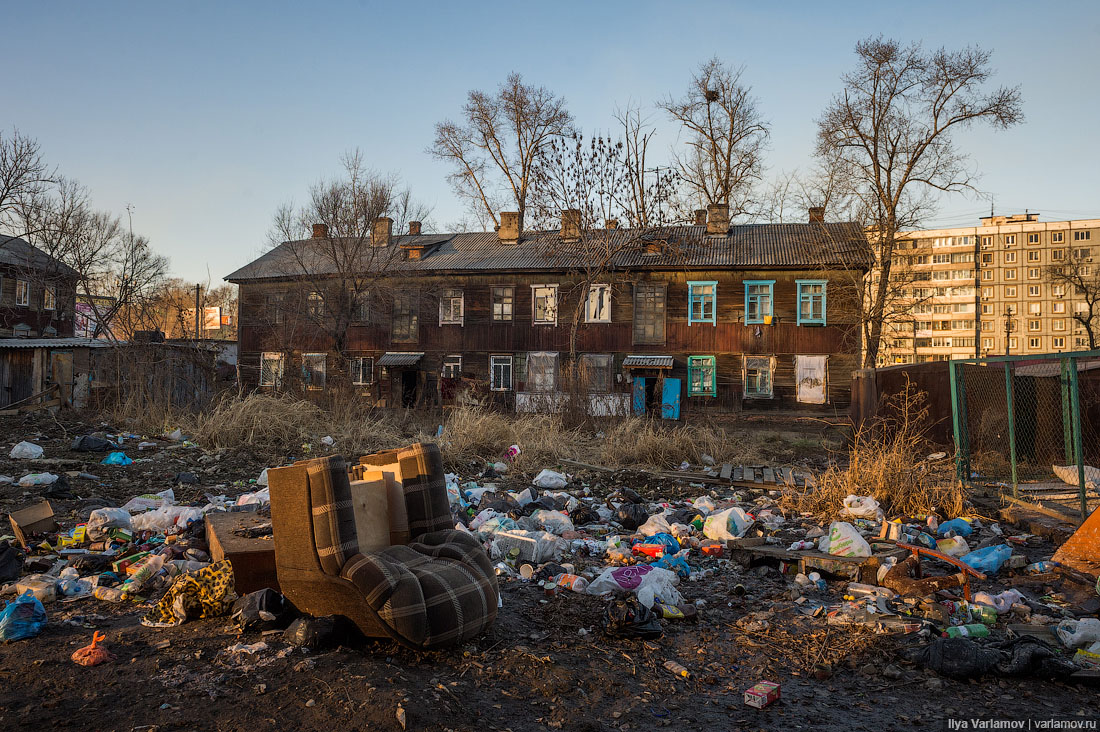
point(400, 359)
point(647, 362)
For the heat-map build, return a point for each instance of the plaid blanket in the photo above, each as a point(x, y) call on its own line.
point(333, 512)
point(425, 489)
point(435, 592)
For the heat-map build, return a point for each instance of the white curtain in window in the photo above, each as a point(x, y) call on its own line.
point(542, 370)
point(810, 375)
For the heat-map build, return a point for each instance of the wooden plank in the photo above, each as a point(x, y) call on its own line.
point(769, 475)
point(739, 473)
point(727, 471)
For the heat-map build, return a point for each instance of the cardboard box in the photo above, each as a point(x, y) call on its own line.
point(762, 694)
point(34, 519)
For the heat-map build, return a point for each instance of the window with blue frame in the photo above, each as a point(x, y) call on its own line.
point(701, 376)
point(758, 300)
point(811, 302)
point(702, 301)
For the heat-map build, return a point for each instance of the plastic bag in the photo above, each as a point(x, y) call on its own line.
point(638, 579)
point(989, 559)
point(845, 541)
point(553, 521)
point(22, 618)
point(655, 524)
point(534, 546)
point(93, 654)
point(313, 633)
point(1078, 633)
point(955, 546)
point(861, 507)
point(262, 610)
point(91, 443)
point(957, 658)
point(102, 520)
point(11, 562)
point(116, 458)
point(26, 451)
point(704, 504)
point(960, 526)
point(150, 500)
point(166, 518)
point(259, 498)
point(33, 479)
point(262, 480)
point(672, 545)
point(628, 618)
point(725, 525)
point(548, 479)
point(1002, 603)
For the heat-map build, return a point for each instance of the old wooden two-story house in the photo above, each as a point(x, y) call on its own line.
point(708, 317)
point(37, 292)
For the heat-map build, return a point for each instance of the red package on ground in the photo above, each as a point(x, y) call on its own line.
point(762, 694)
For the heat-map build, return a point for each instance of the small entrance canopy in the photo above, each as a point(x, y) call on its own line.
point(400, 359)
point(647, 362)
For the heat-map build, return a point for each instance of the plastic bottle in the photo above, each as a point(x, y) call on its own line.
point(818, 581)
point(973, 630)
point(110, 594)
point(857, 590)
point(1040, 567)
point(145, 569)
point(571, 582)
point(677, 669)
point(800, 545)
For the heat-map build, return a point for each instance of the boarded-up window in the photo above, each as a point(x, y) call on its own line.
point(542, 371)
point(405, 316)
point(649, 313)
point(811, 375)
point(271, 369)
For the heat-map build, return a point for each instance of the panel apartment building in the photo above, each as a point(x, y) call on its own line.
point(962, 286)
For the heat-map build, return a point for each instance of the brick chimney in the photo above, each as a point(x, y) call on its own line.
point(612, 224)
point(570, 224)
point(700, 217)
point(320, 231)
point(414, 228)
point(511, 225)
point(381, 232)
point(817, 214)
point(718, 219)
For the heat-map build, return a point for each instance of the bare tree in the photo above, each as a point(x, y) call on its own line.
point(726, 137)
point(329, 245)
point(593, 180)
point(23, 175)
point(494, 149)
point(645, 187)
point(1081, 281)
point(888, 137)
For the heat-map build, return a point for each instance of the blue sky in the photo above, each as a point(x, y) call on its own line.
point(206, 116)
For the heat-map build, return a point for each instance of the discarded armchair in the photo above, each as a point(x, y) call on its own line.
point(437, 589)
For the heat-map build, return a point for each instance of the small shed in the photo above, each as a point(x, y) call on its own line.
point(31, 368)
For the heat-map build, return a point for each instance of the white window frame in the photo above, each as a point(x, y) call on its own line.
point(503, 362)
point(450, 300)
point(277, 373)
point(321, 358)
point(551, 309)
point(357, 364)
point(49, 298)
point(1035, 343)
point(601, 312)
point(1057, 237)
point(1058, 342)
point(453, 363)
point(22, 293)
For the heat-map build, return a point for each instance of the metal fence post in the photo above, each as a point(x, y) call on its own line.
point(1078, 446)
point(1010, 402)
point(1067, 414)
point(958, 422)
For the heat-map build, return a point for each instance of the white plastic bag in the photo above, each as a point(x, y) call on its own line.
point(655, 524)
point(1002, 603)
point(549, 480)
point(103, 520)
point(861, 507)
point(1078, 633)
point(259, 497)
point(725, 525)
point(534, 546)
point(954, 546)
point(643, 580)
point(166, 518)
point(845, 541)
point(150, 500)
point(703, 503)
point(262, 480)
point(553, 521)
point(32, 479)
point(26, 451)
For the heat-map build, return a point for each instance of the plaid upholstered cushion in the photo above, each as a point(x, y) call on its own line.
point(333, 513)
point(425, 489)
point(434, 592)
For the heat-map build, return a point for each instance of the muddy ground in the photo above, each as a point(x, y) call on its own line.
point(544, 664)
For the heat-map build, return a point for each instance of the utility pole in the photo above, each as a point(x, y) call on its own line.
point(197, 313)
point(1008, 330)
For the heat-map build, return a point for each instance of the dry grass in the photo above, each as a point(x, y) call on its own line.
point(886, 462)
point(474, 434)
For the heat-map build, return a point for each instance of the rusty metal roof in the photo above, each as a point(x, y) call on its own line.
point(397, 358)
point(748, 246)
point(647, 362)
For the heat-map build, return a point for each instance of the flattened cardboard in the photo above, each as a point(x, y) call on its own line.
point(32, 520)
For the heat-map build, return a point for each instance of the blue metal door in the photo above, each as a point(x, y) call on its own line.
point(670, 399)
point(639, 395)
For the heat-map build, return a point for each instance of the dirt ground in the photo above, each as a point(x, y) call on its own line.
point(545, 663)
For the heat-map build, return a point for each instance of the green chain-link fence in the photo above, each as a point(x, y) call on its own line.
point(1030, 424)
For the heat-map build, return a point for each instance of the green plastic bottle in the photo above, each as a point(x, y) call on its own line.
point(973, 630)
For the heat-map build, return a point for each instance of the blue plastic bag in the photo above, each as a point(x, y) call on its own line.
point(116, 458)
point(676, 564)
point(670, 542)
point(962, 527)
point(22, 618)
point(988, 560)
